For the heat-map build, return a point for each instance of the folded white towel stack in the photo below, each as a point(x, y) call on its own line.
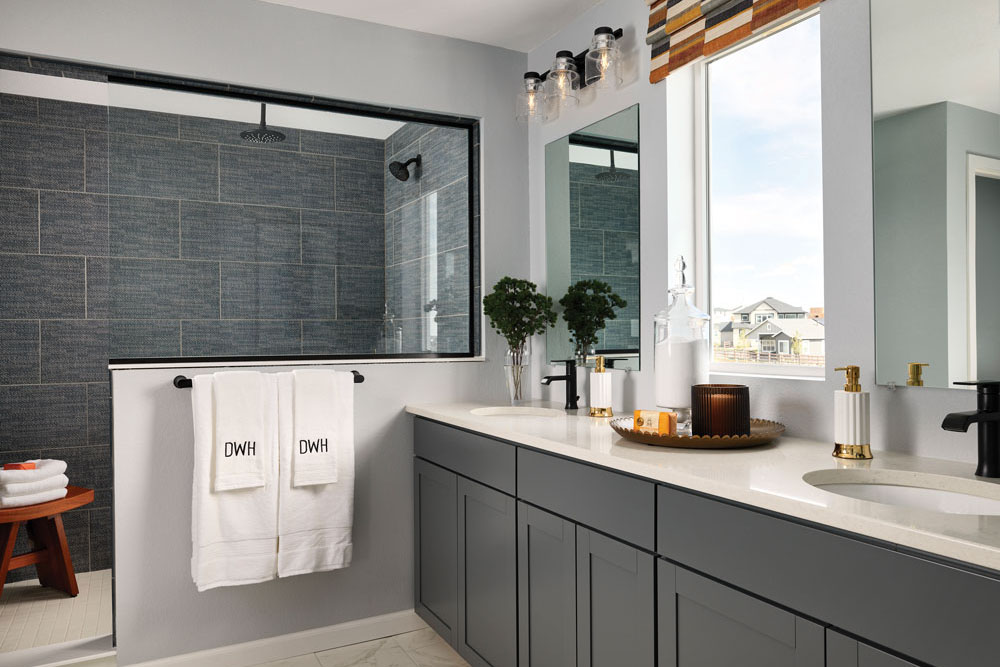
point(19, 488)
point(314, 521)
point(234, 532)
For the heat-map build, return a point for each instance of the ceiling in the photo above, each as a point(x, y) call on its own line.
point(519, 25)
point(926, 51)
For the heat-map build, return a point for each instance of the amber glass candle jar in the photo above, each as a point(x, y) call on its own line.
point(720, 409)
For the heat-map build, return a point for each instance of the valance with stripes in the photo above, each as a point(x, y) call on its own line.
point(682, 31)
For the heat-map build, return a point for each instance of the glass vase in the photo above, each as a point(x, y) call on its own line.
point(516, 372)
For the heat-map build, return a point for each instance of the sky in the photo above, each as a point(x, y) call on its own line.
point(765, 166)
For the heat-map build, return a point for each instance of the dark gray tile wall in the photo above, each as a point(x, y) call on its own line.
point(427, 274)
point(134, 234)
point(604, 244)
point(137, 234)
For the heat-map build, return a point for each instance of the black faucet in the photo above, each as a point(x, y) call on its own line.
point(570, 379)
point(988, 417)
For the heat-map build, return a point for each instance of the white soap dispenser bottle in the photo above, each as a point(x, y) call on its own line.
point(852, 418)
point(600, 390)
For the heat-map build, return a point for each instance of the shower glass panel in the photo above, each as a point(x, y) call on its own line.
point(244, 230)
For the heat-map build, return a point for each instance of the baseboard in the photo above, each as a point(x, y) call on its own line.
point(297, 643)
point(67, 653)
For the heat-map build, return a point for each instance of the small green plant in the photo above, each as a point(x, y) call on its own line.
point(588, 305)
point(518, 311)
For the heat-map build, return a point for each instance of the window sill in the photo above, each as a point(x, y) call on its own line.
point(813, 374)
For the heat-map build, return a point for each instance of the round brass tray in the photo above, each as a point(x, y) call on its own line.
point(762, 431)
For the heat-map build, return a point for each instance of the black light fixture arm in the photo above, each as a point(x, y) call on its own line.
point(580, 59)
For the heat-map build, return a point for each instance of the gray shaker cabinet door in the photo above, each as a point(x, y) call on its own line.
point(487, 576)
point(546, 580)
point(706, 624)
point(435, 548)
point(842, 651)
point(615, 603)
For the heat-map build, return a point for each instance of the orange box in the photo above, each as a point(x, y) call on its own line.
point(18, 466)
point(652, 421)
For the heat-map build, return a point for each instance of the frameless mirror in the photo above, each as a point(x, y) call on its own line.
point(592, 228)
point(936, 154)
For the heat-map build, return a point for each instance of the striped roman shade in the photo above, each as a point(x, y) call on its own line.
point(682, 31)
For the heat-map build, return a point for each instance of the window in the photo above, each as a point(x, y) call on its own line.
point(765, 196)
point(783, 346)
point(333, 232)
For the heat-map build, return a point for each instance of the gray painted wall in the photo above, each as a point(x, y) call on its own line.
point(275, 47)
point(907, 419)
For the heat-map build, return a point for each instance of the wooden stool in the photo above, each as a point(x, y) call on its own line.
point(45, 529)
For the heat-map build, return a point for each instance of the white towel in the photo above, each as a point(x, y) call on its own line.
point(27, 488)
point(43, 468)
point(240, 441)
point(321, 401)
point(234, 533)
point(33, 498)
point(314, 522)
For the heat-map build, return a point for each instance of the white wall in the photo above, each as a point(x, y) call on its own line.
point(907, 419)
point(274, 47)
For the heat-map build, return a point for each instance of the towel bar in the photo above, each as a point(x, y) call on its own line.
point(182, 382)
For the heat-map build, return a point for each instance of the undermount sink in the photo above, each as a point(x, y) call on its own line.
point(924, 491)
point(517, 411)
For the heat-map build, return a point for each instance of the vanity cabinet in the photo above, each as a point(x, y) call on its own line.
point(435, 547)
point(615, 602)
point(525, 558)
point(465, 546)
point(702, 622)
point(842, 651)
point(487, 576)
point(546, 583)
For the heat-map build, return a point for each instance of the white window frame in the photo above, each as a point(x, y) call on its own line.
point(702, 237)
point(784, 347)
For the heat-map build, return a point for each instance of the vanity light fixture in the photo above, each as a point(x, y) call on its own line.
point(562, 84)
point(530, 99)
point(603, 62)
point(559, 87)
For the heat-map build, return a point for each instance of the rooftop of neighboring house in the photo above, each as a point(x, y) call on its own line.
point(804, 328)
point(736, 326)
point(770, 302)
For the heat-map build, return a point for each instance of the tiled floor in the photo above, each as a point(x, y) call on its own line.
point(32, 615)
point(423, 648)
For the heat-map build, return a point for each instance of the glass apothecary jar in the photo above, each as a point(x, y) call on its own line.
point(680, 349)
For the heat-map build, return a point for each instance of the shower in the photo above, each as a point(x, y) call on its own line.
point(262, 135)
point(401, 170)
point(612, 175)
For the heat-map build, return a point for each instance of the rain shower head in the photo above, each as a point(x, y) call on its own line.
point(612, 175)
point(262, 135)
point(401, 170)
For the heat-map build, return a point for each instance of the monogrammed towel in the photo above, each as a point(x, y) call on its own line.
point(240, 442)
point(323, 405)
point(234, 533)
point(314, 521)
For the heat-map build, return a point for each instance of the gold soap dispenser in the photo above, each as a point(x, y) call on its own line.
point(852, 418)
point(914, 374)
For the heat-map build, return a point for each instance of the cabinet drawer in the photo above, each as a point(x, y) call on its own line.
point(891, 598)
point(612, 503)
point(483, 459)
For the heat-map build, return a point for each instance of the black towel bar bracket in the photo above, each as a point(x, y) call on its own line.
point(182, 382)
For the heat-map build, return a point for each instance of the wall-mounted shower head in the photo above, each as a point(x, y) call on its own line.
point(262, 135)
point(612, 175)
point(401, 170)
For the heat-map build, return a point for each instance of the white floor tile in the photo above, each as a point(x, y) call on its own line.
point(300, 661)
point(378, 653)
point(32, 615)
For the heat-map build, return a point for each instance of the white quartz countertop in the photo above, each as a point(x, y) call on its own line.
point(768, 477)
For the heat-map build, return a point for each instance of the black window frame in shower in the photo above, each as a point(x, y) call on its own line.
point(71, 69)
